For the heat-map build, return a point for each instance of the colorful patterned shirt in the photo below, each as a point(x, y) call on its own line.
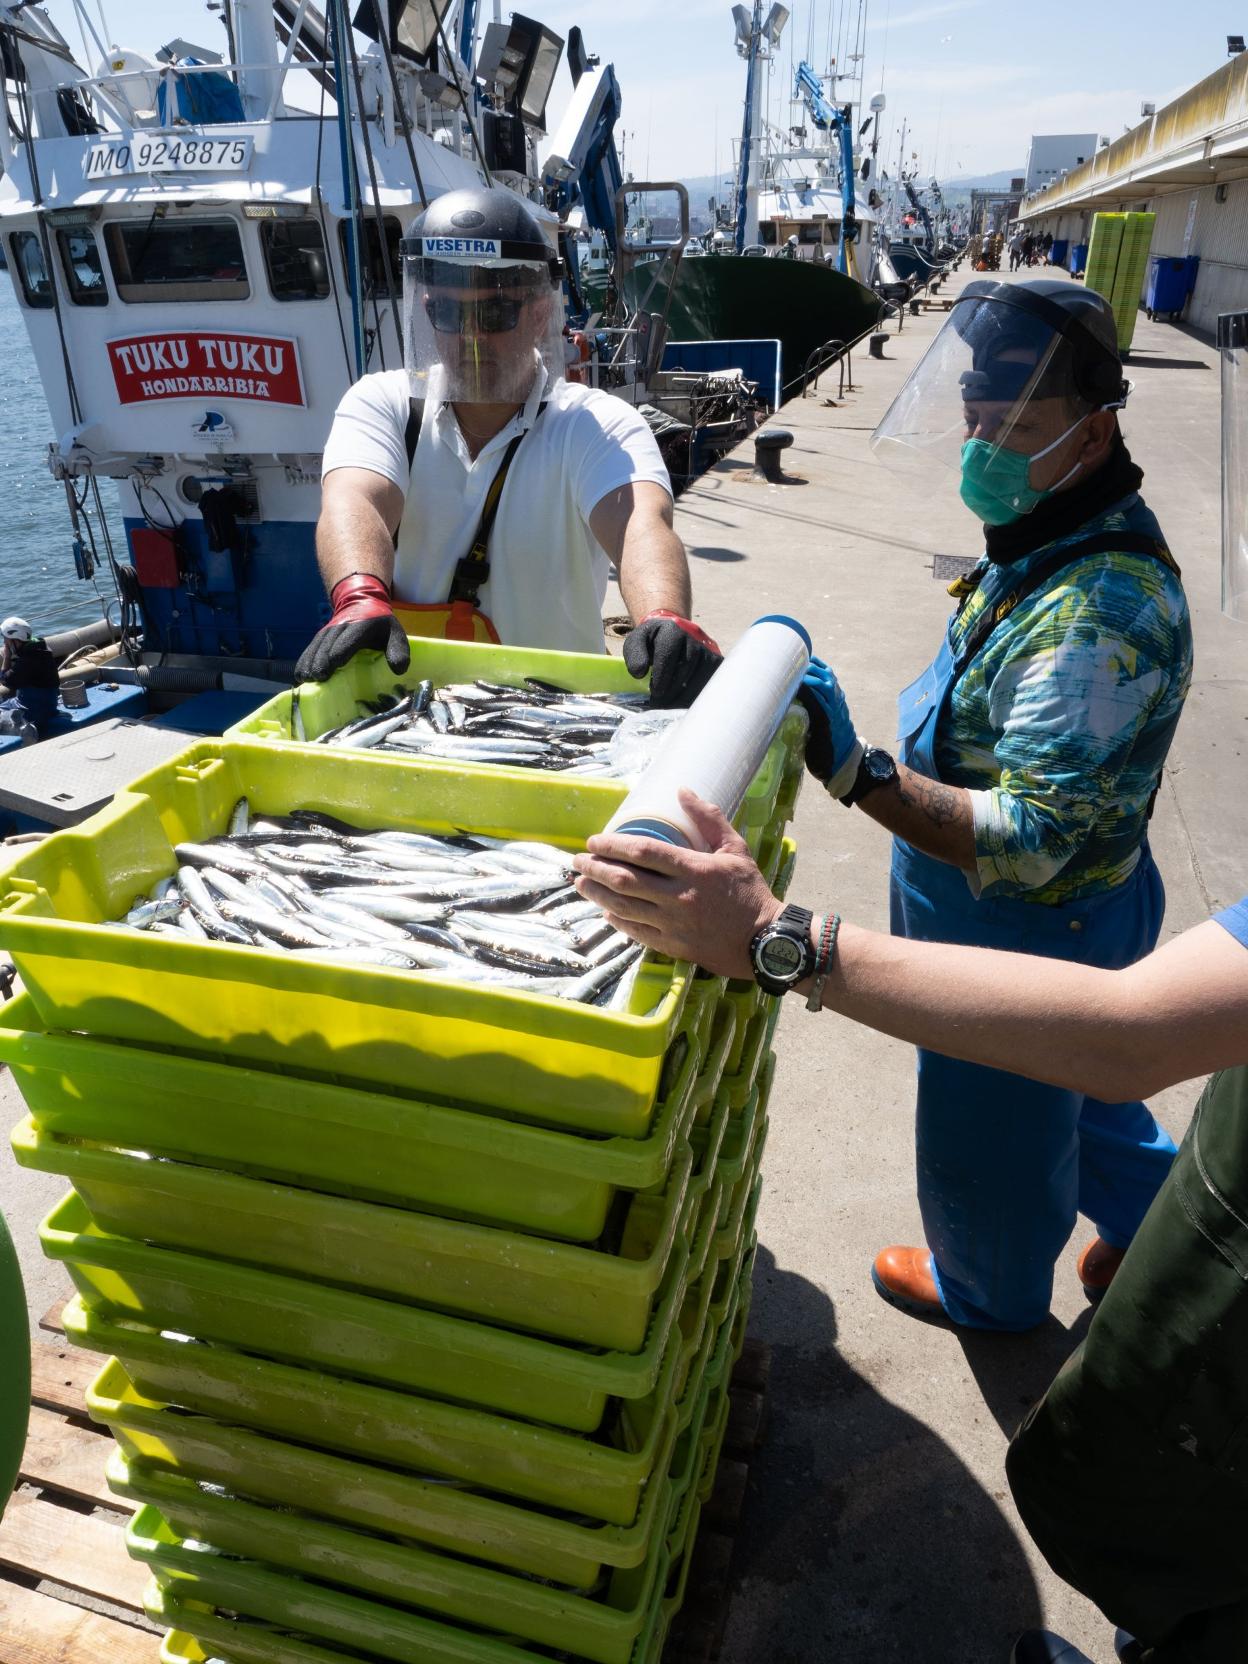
point(1060, 725)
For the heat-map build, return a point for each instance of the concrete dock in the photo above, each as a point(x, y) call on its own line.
point(878, 1525)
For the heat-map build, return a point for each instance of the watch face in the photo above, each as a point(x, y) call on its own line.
point(781, 957)
point(879, 764)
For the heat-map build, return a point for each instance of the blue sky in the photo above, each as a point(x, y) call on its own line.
point(973, 78)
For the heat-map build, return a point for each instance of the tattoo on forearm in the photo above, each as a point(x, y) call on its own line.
point(939, 803)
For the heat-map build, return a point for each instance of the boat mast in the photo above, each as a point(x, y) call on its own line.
point(256, 45)
point(755, 41)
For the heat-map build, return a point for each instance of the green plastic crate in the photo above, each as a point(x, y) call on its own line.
point(594, 1296)
point(358, 1335)
point(603, 1628)
point(194, 1579)
point(451, 1517)
point(349, 693)
point(746, 1000)
point(370, 1145)
point(601, 1478)
point(741, 1083)
point(545, 1059)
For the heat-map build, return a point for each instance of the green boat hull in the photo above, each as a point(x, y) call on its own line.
point(728, 297)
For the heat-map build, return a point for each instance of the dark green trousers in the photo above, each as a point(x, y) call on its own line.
point(1132, 1472)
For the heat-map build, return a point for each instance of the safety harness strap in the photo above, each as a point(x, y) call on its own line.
point(472, 571)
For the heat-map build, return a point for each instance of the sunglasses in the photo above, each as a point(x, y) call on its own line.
point(495, 316)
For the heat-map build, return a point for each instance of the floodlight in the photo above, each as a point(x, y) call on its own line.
point(777, 17)
point(741, 18)
point(520, 59)
point(413, 26)
point(1234, 45)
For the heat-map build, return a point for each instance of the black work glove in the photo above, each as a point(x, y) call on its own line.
point(362, 620)
point(679, 657)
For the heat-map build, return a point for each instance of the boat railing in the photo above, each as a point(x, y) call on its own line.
point(141, 111)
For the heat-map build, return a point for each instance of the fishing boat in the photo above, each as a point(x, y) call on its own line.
point(786, 188)
point(204, 247)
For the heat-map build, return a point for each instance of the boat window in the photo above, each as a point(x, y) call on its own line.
point(810, 231)
point(83, 272)
point(381, 277)
point(294, 255)
point(32, 274)
point(177, 258)
point(767, 231)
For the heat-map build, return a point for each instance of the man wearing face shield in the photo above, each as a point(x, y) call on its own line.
point(477, 494)
point(1131, 1473)
point(29, 683)
point(1031, 749)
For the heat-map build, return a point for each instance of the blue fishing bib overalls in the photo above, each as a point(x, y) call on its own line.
point(1005, 1164)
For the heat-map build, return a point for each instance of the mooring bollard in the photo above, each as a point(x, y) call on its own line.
point(769, 446)
point(876, 344)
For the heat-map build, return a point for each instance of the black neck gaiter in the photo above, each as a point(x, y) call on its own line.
point(1062, 514)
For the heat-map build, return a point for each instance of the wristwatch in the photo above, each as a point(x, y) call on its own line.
point(781, 953)
point(876, 769)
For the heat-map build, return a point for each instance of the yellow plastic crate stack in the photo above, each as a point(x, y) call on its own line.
point(420, 1300)
point(1117, 264)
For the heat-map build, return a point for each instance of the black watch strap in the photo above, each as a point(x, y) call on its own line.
point(794, 924)
point(876, 769)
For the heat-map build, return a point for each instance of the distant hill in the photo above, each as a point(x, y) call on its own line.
point(999, 181)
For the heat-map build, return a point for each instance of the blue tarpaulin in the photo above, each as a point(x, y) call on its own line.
point(205, 100)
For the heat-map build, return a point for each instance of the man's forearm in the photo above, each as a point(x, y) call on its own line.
point(351, 536)
point(935, 818)
point(654, 572)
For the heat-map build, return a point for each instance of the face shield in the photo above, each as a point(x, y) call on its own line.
point(999, 399)
point(1233, 350)
point(478, 329)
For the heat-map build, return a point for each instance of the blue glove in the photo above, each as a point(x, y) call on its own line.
point(833, 748)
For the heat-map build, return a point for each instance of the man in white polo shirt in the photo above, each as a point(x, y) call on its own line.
point(476, 494)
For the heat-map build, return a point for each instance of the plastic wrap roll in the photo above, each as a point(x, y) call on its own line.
point(717, 749)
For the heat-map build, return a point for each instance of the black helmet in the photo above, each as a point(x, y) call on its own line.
point(1023, 319)
point(463, 233)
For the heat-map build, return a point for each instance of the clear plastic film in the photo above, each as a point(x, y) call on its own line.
point(1233, 350)
point(479, 334)
point(985, 375)
point(718, 747)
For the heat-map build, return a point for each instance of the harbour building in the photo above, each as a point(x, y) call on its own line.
point(1187, 163)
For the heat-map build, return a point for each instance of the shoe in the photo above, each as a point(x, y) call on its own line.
point(903, 1276)
point(1041, 1646)
point(1127, 1647)
point(1097, 1266)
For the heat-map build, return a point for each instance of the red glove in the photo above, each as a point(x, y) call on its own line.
point(362, 620)
point(677, 653)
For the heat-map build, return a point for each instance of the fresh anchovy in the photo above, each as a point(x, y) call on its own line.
point(496, 912)
point(606, 975)
point(144, 915)
point(230, 858)
point(290, 931)
point(204, 909)
point(533, 725)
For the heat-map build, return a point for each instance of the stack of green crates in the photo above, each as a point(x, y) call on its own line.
point(420, 1300)
point(1117, 263)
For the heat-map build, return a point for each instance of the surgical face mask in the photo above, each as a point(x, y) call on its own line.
point(996, 483)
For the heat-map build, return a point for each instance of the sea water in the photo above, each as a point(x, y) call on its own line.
point(37, 576)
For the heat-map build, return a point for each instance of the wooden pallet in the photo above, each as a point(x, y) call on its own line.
point(61, 1535)
point(698, 1633)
